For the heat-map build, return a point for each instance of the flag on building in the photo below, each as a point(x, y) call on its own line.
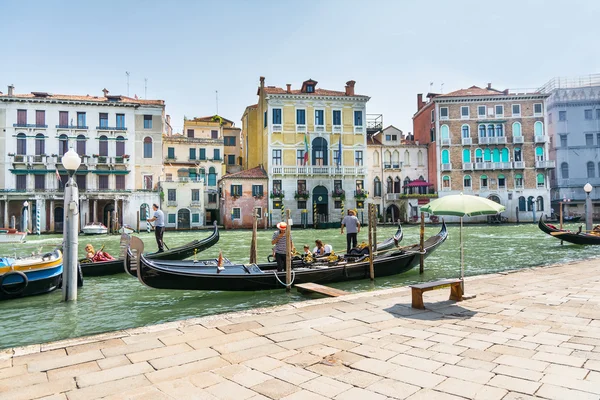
point(305, 149)
point(339, 157)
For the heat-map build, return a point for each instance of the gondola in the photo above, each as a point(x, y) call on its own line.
point(30, 276)
point(569, 236)
point(177, 253)
point(205, 275)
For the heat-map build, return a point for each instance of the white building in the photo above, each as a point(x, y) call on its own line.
point(120, 142)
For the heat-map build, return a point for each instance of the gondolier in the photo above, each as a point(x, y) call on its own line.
point(352, 225)
point(280, 247)
point(159, 226)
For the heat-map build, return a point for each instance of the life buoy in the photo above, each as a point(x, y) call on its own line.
point(20, 288)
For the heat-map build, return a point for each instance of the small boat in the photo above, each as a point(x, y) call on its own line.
point(575, 237)
point(572, 218)
point(126, 229)
point(212, 275)
point(29, 276)
point(95, 228)
point(9, 235)
point(178, 253)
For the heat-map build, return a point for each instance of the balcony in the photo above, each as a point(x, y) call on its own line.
point(393, 196)
point(518, 139)
point(195, 203)
point(319, 128)
point(519, 164)
point(29, 126)
point(337, 129)
point(447, 167)
point(277, 194)
point(301, 128)
point(484, 140)
point(540, 139)
point(483, 166)
point(102, 159)
point(468, 166)
point(38, 159)
point(111, 128)
point(467, 141)
point(79, 127)
point(277, 128)
point(545, 164)
point(171, 203)
point(361, 194)
point(359, 129)
point(445, 142)
point(502, 165)
point(317, 171)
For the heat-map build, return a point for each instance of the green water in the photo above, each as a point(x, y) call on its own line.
point(119, 301)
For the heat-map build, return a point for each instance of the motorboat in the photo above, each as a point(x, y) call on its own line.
point(95, 228)
point(9, 235)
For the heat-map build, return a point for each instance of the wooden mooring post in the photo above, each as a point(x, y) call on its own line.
point(371, 244)
point(422, 247)
point(138, 222)
point(288, 253)
point(253, 255)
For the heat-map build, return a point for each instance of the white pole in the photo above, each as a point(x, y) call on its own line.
point(147, 217)
point(462, 258)
point(71, 241)
point(37, 218)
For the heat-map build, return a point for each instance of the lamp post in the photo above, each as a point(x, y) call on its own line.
point(588, 206)
point(71, 161)
point(25, 216)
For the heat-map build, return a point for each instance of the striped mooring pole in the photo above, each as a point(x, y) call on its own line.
point(147, 217)
point(342, 209)
point(282, 211)
point(315, 214)
point(37, 220)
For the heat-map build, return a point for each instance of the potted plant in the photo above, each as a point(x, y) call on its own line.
point(361, 194)
point(339, 193)
point(301, 194)
point(277, 193)
point(11, 154)
point(125, 156)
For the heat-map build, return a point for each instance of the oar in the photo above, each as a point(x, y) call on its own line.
point(163, 242)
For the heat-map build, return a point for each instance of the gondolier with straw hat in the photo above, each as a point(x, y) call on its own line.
point(280, 248)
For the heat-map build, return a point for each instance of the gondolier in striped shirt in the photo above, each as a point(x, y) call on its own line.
point(280, 248)
point(159, 226)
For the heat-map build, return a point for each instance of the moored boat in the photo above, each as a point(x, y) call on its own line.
point(29, 276)
point(206, 274)
point(95, 228)
point(126, 229)
point(575, 237)
point(9, 235)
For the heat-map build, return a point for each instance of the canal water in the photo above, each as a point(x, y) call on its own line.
point(119, 301)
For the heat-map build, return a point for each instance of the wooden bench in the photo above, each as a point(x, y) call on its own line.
point(417, 290)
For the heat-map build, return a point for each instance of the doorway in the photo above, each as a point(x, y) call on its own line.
point(320, 197)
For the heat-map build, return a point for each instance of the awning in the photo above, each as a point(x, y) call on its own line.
point(418, 183)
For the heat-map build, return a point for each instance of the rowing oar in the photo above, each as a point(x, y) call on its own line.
point(163, 242)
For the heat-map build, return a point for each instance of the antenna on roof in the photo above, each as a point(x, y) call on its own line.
point(146, 88)
point(217, 100)
point(430, 86)
point(127, 73)
point(442, 88)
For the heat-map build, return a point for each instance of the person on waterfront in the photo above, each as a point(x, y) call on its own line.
point(280, 246)
point(322, 249)
point(352, 225)
point(94, 256)
point(159, 226)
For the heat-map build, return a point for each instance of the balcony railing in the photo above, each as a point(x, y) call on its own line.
point(483, 165)
point(468, 166)
point(545, 164)
point(466, 141)
point(299, 171)
point(171, 203)
point(518, 139)
point(29, 126)
point(111, 128)
point(484, 140)
point(319, 128)
point(301, 128)
point(81, 127)
point(195, 203)
point(20, 158)
point(393, 196)
point(540, 139)
point(359, 129)
point(337, 129)
point(277, 128)
point(519, 164)
point(38, 159)
point(446, 142)
point(447, 167)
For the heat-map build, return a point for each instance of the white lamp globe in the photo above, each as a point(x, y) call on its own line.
point(587, 188)
point(71, 160)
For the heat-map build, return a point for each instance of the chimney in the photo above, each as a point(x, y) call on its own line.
point(168, 119)
point(350, 88)
point(11, 90)
point(105, 91)
point(420, 102)
point(505, 91)
point(489, 86)
point(262, 81)
point(289, 88)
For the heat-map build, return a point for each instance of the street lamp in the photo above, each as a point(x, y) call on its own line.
point(25, 216)
point(588, 206)
point(71, 162)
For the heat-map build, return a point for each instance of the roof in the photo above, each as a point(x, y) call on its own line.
point(474, 91)
point(373, 139)
point(317, 92)
point(252, 173)
point(418, 183)
point(253, 106)
point(209, 118)
point(70, 97)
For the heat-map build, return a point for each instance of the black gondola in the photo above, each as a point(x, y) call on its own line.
point(582, 238)
point(177, 253)
point(204, 275)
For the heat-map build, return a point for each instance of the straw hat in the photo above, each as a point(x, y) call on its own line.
point(281, 226)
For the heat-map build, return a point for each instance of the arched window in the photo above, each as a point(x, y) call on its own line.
point(505, 155)
point(484, 181)
point(40, 144)
point(496, 155)
point(522, 204)
point(465, 132)
point(63, 144)
point(147, 147)
point(203, 175)
point(490, 130)
point(518, 181)
point(517, 152)
point(541, 180)
point(446, 181)
point(478, 155)
point(538, 128)
point(499, 130)
point(144, 212)
point(564, 170)
point(21, 144)
point(501, 181)
point(487, 155)
point(530, 203)
point(481, 130)
point(539, 153)
point(516, 129)
point(212, 177)
point(81, 145)
point(467, 155)
point(445, 156)
point(395, 159)
point(390, 185)
point(319, 152)
point(387, 159)
point(397, 184)
point(406, 158)
point(539, 204)
point(591, 170)
point(467, 181)
point(406, 181)
point(445, 131)
point(420, 157)
point(376, 158)
point(377, 187)
point(120, 146)
point(103, 149)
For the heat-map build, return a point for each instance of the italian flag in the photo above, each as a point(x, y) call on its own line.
point(305, 149)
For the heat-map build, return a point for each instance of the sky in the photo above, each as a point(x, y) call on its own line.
point(188, 50)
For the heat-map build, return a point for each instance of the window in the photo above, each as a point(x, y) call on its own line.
point(190, 133)
point(481, 111)
point(171, 153)
point(195, 195)
point(103, 146)
point(537, 109)
point(377, 187)
point(522, 206)
point(446, 182)
point(490, 130)
point(501, 181)
point(212, 197)
point(563, 140)
point(445, 132)
point(21, 144)
point(516, 128)
point(499, 111)
point(202, 154)
point(587, 114)
point(597, 113)
point(171, 218)
point(120, 182)
point(147, 121)
point(541, 181)
point(360, 184)
point(212, 176)
point(505, 155)
point(120, 121)
point(432, 115)
point(63, 144)
point(358, 158)
point(81, 145)
point(277, 157)
point(484, 181)
point(478, 155)
point(300, 117)
point(21, 182)
point(148, 182)
point(467, 181)
point(310, 88)
point(538, 128)
point(229, 141)
point(337, 117)
point(81, 120)
point(517, 154)
point(144, 212)
point(519, 181)
point(147, 147)
point(257, 190)
point(540, 203)
point(277, 116)
point(564, 170)
point(214, 134)
point(265, 120)
point(120, 146)
point(358, 118)
point(589, 139)
point(21, 117)
point(231, 159)
point(466, 156)
point(481, 130)
point(217, 154)
point(103, 182)
point(169, 177)
point(445, 156)
point(562, 115)
point(530, 203)
point(499, 130)
point(40, 145)
point(591, 170)
point(81, 181)
point(236, 213)
point(464, 112)
point(443, 112)
point(319, 120)
point(539, 153)
point(300, 157)
point(516, 110)
point(63, 119)
point(40, 182)
point(40, 118)
point(103, 120)
point(171, 194)
point(277, 186)
point(192, 153)
point(465, 131)
point(195, 218)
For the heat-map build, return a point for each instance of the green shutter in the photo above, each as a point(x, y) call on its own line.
point(540, 178)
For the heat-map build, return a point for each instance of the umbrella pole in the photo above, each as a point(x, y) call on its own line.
point(462, 259)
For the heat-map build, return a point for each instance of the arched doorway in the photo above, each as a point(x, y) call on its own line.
point(494, 198)
point(59, 219)
point(183, 219)
point(106, 214)
point(321, 203)
point(392, 213)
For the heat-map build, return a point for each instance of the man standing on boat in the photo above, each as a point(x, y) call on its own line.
point(352, 225)
point(159, 226)
point(280, 247)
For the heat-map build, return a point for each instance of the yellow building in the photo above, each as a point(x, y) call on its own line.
point(312, 143)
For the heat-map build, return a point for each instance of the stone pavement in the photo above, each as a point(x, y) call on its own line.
point(529, 334)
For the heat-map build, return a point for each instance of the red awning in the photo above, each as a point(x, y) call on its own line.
point(418, 183)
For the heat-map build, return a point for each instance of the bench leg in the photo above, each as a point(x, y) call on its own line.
point(417, 299)
point(456, 292)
